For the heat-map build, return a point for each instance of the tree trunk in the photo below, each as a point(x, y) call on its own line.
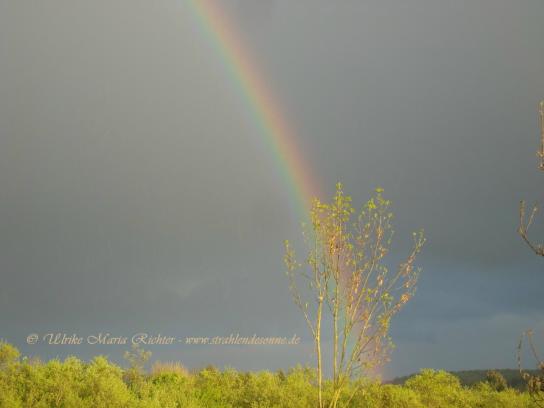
point(318, 352)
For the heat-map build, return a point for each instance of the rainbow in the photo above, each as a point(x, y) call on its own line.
point(265, 110)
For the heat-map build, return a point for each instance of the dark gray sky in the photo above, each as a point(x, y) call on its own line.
point(136, 194)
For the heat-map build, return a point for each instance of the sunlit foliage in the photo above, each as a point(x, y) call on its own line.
point(72, 383)
point(346, 280)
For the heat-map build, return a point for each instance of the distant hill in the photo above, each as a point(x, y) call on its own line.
point(471, 377)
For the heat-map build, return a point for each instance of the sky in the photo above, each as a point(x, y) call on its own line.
point(137, 194)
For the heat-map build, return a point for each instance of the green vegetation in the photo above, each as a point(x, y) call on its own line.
point(469, 378)
point(346, 278)
point(99, 383)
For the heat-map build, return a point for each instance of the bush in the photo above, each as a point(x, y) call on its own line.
point(488, 397)
point(439, 389)
point(496, 380)
point(8, 354)
point(375, 395)
point(169, 367)
point(99, 383)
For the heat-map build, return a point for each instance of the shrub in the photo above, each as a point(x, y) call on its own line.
point(496, 380)
point(439, 389)
point(72, 383)
point(169, 367)
point(8, 354)
point(377, 396)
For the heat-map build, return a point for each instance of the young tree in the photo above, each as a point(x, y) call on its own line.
point(496, 380)
point(535, 383)
point(346, 277)
point(525, 221)
point(137, 359)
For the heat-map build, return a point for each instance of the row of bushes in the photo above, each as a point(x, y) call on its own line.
point(99, 384)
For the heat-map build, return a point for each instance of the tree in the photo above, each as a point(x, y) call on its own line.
point(535, 383)
point(496, 380)
point(137, 359)
point(525, 221)
point(346, 277)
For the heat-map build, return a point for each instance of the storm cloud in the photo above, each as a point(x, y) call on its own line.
point(137, 193)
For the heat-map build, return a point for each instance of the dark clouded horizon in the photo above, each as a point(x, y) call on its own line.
point(137, 194)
